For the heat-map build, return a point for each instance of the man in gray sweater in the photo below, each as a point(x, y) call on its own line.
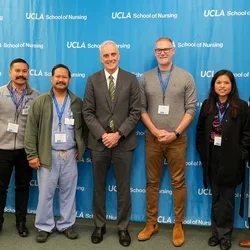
point(15, 100)
point(169, 105)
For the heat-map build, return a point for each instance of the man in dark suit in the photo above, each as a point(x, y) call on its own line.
point(111, 109)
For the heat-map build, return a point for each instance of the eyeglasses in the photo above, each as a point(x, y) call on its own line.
point(165, 50)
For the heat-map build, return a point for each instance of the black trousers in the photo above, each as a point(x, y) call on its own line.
point(23, 174)
point(122, 161)
point(223, 199)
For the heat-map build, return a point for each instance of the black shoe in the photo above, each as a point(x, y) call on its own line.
point(1, 227)
point(70, 233)
point(42, 236)
point(225, 244)
point(97, 235)
point(213, 241)
point(22, 229)
point(124, 238)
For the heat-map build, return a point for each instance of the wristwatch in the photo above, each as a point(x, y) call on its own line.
point(120, 133)
point(176, 134)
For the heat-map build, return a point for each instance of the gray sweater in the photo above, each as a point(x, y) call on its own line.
point(180, 96)
point(9, 140)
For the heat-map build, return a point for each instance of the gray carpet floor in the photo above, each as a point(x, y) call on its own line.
point(195, 237)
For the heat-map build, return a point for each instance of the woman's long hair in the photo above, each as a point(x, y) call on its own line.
point(233, 96)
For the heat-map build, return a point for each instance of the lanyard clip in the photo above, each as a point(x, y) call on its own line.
point(60, 126)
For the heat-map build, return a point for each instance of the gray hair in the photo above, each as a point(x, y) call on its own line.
point(108, 42)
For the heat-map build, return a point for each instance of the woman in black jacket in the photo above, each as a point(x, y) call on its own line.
point(223, 141)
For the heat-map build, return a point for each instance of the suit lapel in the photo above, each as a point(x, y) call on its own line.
point(118, 87)
point(105, 87)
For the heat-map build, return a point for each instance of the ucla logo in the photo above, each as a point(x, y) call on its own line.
point(79, 214)
point(199, 104)
point(76, 45)
point(120, 15)
point(208, 73)
point(34, 183)
point(203, 191)
point(214, 13)
point(34, 16)
point(163, 219)
point(33, 72)
point(112, 188)
point(165, 162)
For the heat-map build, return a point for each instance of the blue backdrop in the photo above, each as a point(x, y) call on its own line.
point(208, 36)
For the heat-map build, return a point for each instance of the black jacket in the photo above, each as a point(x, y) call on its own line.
point(235, 144)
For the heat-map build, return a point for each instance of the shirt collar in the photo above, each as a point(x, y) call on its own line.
point(115, 74)
point(15, 89)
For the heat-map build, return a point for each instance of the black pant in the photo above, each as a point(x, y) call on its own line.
point(23, 175)
point(223, 198)
point(122, 161)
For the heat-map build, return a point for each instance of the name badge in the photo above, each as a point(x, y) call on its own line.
point(163, 109)
point(69, 121)
point(12, 127)
point(60, 137)
point(217, 140)
point(25, 110)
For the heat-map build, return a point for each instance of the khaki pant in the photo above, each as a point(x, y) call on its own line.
point(175, 153)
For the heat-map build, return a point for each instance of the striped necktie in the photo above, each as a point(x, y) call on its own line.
point(111, 88)
point(112, 96)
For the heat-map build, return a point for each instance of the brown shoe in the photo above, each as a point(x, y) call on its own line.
point(245, 243)
point(178, 234)
point(148, 231)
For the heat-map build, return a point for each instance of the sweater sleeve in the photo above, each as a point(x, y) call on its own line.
point(143, 94)
point(190, 96)
point(31, 132)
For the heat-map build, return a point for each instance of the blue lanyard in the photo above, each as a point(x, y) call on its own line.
point(60, 112)
point(20, 100)
point(221, 115)
point(164, 85)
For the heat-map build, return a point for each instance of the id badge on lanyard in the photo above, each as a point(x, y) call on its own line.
point(217, 140)
point(164, 85)
point(163, 109)
point(60, 137)
point(12, 127)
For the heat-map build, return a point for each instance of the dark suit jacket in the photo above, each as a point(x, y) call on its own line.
point(125, 111)
point(235, 144)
